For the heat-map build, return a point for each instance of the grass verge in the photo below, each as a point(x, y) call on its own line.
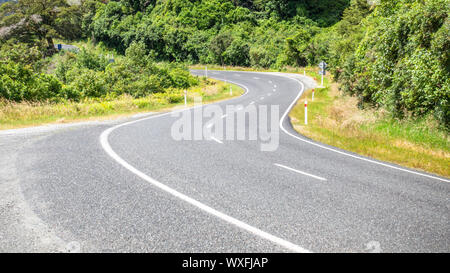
point(335, 119)
point(26, 114)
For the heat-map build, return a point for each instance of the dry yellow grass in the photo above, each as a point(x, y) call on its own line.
point(335, 119)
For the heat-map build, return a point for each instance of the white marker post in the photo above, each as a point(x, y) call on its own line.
point(312, 95)
point(185, 98)
point(306, 112)
point(206, 71)
point(304, 72)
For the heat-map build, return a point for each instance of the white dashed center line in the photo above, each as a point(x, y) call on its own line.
point(216, 140)
point(300, 172)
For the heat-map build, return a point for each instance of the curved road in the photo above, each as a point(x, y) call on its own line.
point(130, 186)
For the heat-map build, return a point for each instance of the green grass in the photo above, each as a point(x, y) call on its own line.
point(335, 119)
point(25, 114)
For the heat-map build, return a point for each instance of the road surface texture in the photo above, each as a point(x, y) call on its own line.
point(128, 186)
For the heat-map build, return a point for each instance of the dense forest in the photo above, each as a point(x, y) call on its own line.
point(390, 54)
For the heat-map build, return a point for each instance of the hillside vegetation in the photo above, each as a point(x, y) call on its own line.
point(390, 55)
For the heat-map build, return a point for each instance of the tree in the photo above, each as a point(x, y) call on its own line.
point(31, 20)
point(219, 45)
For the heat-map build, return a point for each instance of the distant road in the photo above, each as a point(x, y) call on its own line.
point(67, 47)
point(132, 187)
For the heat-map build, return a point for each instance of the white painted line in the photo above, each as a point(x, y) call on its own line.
point(216, 140)
point(261, 98)
point(256, 78)
point(231, 220)
point(300, 172)
point(224, 116)
point(275, 86)
point(252, 102)
point(340, 152)
point(269, 94)
point(270, 81)
point(274, 90)
point(331, 149)
point(209, 125)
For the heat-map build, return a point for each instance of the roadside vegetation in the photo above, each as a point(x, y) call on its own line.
point(389, 58)
point(335, 119)
point(391, 55)
point(24, 114)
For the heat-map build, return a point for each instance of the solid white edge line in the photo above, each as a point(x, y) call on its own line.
point(331, 149)
point(107, 147)
point(300, 172)
point(337, 151)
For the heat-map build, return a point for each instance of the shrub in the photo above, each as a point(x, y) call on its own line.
point(19, 82)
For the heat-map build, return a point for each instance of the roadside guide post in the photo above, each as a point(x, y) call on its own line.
point(306, 112)
point(185, 98)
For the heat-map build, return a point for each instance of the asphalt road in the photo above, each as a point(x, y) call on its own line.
point(129, 186)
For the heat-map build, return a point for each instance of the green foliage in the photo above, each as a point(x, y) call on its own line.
point(18, 82)
point(401, 63)
point(390, 54)
point(135, 74)
point(91, 60)
point(32, 21)
point(17, 52)
point(88, 74)
point(212, 31)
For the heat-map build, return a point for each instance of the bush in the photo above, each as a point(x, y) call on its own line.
point(89, 83)
point(402, 63)
point(90, 60)
point(19, 82)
